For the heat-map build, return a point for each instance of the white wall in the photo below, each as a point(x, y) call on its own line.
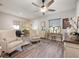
point(77, 13)
point(7, 21)
point(63, 14)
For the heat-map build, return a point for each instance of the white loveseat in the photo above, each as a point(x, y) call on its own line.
point(9, 41)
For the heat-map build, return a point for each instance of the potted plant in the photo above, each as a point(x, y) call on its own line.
point(76, 27)
point(26, 32)
point(77, 35)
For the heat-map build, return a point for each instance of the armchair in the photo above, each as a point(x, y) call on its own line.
point(35, 36)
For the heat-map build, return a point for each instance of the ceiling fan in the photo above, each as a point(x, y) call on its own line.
point(44, 7)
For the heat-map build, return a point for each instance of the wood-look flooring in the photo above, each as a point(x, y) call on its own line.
point(42, 49)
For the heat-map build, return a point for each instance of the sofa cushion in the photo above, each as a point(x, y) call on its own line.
point(9, 35)
point(14, 44)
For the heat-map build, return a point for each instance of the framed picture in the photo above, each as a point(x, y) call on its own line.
point(43, 25)
point(65, 23)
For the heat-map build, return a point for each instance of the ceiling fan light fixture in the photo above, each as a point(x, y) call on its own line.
point(44, 9)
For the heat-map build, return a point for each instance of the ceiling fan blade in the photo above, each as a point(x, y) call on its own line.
point(50, 3)
point(35, 4)
point(51, 10)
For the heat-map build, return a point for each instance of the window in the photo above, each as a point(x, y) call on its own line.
point(55, 22)
point(55, 25)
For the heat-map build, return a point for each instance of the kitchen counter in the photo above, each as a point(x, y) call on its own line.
point(71, 49)
point(72, 41)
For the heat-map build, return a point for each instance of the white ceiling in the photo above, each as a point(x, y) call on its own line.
point(24, 8)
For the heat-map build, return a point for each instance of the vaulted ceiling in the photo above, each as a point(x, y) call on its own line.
point(24, 8)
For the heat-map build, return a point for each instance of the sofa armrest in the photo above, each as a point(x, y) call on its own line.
point(4, 40)
point(4, 44)
point(19, 38)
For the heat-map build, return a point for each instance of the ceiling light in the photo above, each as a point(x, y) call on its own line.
point(44, 9)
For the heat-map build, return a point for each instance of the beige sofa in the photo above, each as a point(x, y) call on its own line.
point(9, 41)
